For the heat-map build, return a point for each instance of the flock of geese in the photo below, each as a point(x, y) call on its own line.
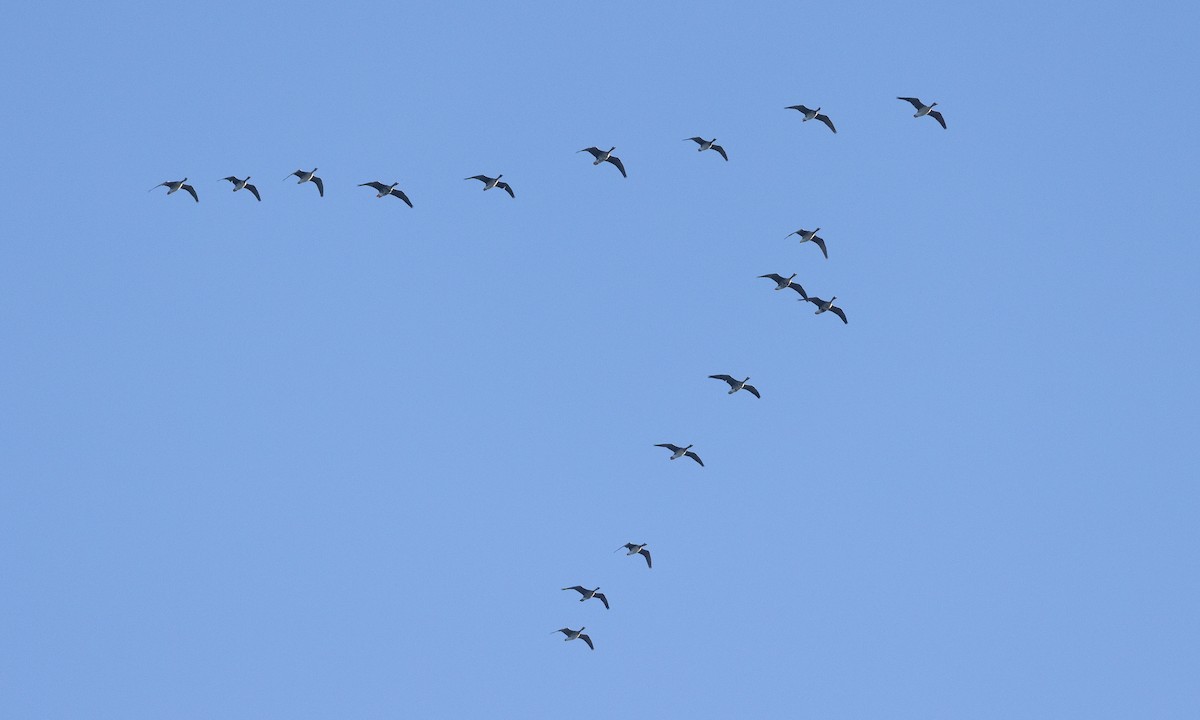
point(599, 156)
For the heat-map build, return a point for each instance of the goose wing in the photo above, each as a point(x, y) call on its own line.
point(577, 588)
point(506, 188)
point(669, 446)
point(379, 187)
point(726, 378)
point(646, 553)
point(192, 191)
point(798, 288)
point(480, 178)
point(821, 244)
point(695, 457)
point(915, 102)
point(158, 186)
point(587, 640)
point(620, 166)
point(595, 151)
point(721, 150)
point(320, 185)
point(825, 119)
point(801, 108)
point(697, 140)
point(773, 276)
point(839, 312)
point(232, 179)
point(815, 300)
point(254, 191)
point(938, 116)
point(602, 599)
point(400, 194)
point(752, 390)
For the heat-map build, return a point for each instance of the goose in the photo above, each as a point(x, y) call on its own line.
point(589, 594)
point(575, 635)
point(923, 109)
point(735, 385)
point(782, 283)
point(708, 145)
point(605, 156)
point(636, 549)
point(174, 185)
point(823, 305)
point(489, 183)
point(240, 184)
point(679, 452)
point(307, 176)
point(385, 190)
point(810, 114)
point(811, 235)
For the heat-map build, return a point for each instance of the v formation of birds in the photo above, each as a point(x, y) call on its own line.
point(599, 156)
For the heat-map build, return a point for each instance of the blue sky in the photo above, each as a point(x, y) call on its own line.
point(334, 457)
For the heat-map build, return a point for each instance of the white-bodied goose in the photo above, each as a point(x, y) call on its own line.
point(782, 283)
point(678, 452)
point(489, 183)
point(923, 109)
point(708, 145)
point(589, 594)
point(244, 184)
point(827, 305)
point(811, 236)
point(174, 185)
point(382, 190)
point(605, 156)
point(575, 635)
point(636, 549)
point(735, 385)
point(810, 114)
point(309, 176)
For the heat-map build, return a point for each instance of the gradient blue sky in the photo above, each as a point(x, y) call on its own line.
point(317, 458)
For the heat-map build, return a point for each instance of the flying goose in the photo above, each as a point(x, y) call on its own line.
point(782, 283)
point(489, 183)
point(239, 184)
point(309, 176)
point(708, 145)
point(385, 190)
point(923, 109)
point(589, 594)
point(173, 185)
point(680, 452)
point(603, 156)
point(735, 385)
point(810, 114)
point(636, 549)
point(823, 305)
point(575, 635)
point(811, 235)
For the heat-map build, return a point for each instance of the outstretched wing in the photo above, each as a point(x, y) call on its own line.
point(480, 178)
point(231, 179)
point(596, 152)
point(320, 185)
point(669, 446)
point(617, 161)
point(576, 588)
point(254, 191)
point(821, 244)
point(506, 188)
point(379, 187)
point(721, 150)
point(646, 552)
point(915, 102)
point(839, 312)
point(695, 457)
point(938, 116)
point(815, 301)
point(192, 191)
point(726, 378)
point(602, 599)
point(400, 194)
point(801, 108)
point(699, 140)
point(773, 276)
point(798, 288)
point(587, 640)
point(752, 390)
point(825, 119)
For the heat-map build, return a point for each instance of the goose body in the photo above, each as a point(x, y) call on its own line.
point(589, 594)
point(828, 306)
point(309, 176)
point(708, 145)
point(637, 549)
point(811, 236)
point(382, 190)
point(605, 156)
point(810, 114)
point(923, 110)
point(735, 385)
point(490, 182)
point(678, 452)
point(244, 185)
point(575, 635)
point(176, 185)
point(782, 283)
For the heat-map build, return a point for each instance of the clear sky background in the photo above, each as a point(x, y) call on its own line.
point(318, 458)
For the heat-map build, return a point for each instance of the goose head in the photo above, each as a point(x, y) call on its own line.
point(792, 277)
point(689, 447)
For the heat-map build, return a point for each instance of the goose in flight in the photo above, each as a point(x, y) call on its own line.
point(244, 184)
point(382, 190)
point(575, 635)
point(678, 452)
point(636, 549)
point(489, 183)
point(309, 176)
point(782, 283)
point(708, 145)
point(810, 114)
point(735, 385)
point(811, 235)
point(174, 185)
point(827, 305)
point(605, 156)
point(923, 109)
point(589, 594)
